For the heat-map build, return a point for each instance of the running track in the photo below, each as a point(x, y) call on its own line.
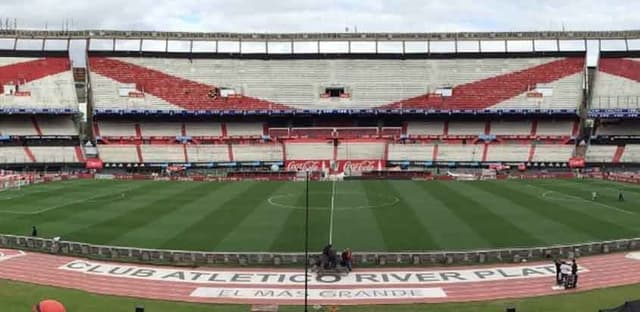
point(601, 271)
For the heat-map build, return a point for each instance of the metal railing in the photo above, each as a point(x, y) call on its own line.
point(417, 258)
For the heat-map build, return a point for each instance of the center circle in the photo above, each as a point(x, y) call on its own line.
point(288, 201)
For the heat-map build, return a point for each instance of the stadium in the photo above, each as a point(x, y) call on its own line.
point(215, 168)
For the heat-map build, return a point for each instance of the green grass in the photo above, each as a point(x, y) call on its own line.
point(19, 297)
point(367, 215)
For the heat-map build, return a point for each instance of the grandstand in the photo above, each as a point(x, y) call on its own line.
point(38, 105)
point(198, 87)
point(614, 105)
point(230, 110)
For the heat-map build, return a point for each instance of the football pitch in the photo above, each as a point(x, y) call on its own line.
point(363, 215)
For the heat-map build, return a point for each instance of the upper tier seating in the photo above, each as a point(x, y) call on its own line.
point(601, 153)
point(491, 83)
point(360, 150)
point(42, 83)
point(411, 152)
point(257, 152)
point(617, 84)
point(309, 151)
point(553, 153)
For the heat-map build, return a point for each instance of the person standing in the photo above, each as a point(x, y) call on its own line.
point(620, 196)
point(34, 231)
point(565, 270)
point(558, 263)
point(574, 273)
point(347, 256)
point(594, 196)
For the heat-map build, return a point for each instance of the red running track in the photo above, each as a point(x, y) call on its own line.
point(599, 272)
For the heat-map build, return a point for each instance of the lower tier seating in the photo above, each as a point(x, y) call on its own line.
point(475, 152)
point(257, 152)
point(601, 153)
point(631, 153)
point(118, 153)
point(162, 153)
point(411, 152)
point(552, 153)
point(363, 151)
point(208, 153)
point(38, 154)
point(460, 152)
point(508, 152)
point(309, 151)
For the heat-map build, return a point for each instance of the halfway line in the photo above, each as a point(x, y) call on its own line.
point(333, 200)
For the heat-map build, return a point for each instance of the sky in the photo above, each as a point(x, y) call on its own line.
point(322, 16)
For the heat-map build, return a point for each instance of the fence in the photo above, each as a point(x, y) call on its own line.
point(194, 258)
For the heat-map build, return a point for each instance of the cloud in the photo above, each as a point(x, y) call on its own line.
point(325, 16)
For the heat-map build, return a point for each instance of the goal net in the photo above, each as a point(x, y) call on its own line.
point(11, 182)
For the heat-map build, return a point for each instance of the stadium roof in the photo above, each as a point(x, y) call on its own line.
point(346, 36)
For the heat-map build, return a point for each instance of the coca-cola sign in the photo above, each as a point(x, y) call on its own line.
point(357, 165)
point(306, 165)
point(94, 163)
point(576, 162)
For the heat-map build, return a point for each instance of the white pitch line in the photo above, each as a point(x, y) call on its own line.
point(78, 201)
point(545, 195)
point(333, 201)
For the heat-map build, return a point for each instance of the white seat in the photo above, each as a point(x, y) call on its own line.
point(257, 152)
point(411, 152)
point(309, 151)
point(118, 153)
point(553, 152)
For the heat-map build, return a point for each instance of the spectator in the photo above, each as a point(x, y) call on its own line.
point(565, 270)
point(574, 272)
point(558, 263)
point(333, 257)
point(347, 257)
point(325, 250)
point(330, 253)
